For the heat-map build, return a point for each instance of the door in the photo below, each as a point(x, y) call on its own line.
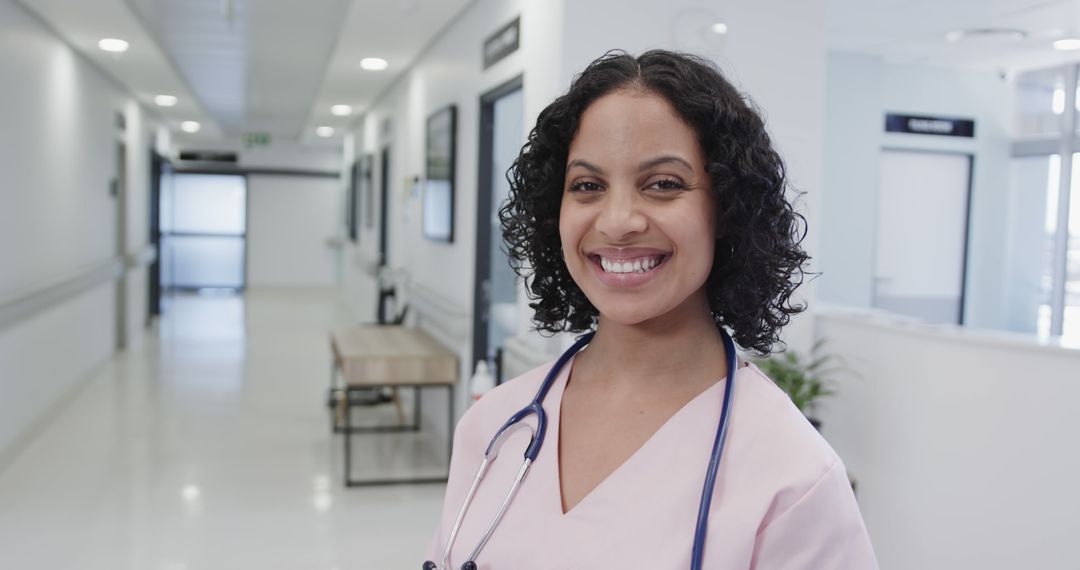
point(119, 191)
point(501, 136)
point(385, 309)
point(203, 232)
point(922, 234)
point(158, 168)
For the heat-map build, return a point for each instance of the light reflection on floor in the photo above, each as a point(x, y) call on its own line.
point(208, 448)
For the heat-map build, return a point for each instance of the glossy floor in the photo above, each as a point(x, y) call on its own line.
point(208, 447)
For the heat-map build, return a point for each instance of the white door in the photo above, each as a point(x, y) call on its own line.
point(921, 234)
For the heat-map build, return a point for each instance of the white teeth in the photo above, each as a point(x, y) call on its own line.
point(636, 266)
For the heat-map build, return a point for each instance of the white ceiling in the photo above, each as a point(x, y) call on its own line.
point(238, 66)
point(276, 66)
point(913, 31)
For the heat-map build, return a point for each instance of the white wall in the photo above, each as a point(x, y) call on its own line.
point(290, 220)
point(449, 72)
point(58, 154)
point(962, 443)
point(861, 90)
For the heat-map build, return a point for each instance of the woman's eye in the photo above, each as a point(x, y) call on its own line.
point(584, 186)
point(667, 184)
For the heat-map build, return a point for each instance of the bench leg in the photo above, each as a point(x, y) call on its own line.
point(332, 392)
point(416, 409)
point(346, 397)
point(397, 404)
point(449, 425)
point(348, 430)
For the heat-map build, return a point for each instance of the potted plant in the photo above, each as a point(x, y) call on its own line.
point(805, 379)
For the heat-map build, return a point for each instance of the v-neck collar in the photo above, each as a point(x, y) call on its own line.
point(552, 468)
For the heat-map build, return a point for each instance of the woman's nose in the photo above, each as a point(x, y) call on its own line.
point(621, 215)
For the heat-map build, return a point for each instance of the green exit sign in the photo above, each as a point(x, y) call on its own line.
point(256, 139)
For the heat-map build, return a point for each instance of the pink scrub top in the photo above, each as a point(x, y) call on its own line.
point(782, 497)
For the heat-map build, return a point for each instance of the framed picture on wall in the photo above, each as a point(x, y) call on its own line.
point(438, 200)
point(352, 204)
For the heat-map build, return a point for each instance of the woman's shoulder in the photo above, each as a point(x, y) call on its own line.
point(772, 432)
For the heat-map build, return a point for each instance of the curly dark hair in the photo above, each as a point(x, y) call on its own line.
point(758, 262)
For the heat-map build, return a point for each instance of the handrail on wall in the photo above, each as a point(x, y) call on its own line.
point(23, 305)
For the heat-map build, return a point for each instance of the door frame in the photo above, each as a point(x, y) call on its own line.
point(482, 271)
point(970, 155)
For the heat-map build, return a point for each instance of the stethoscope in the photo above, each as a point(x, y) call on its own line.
point(536, 407)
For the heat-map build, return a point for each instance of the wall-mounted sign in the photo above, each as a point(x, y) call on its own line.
point(502, 43)
point(942, 126)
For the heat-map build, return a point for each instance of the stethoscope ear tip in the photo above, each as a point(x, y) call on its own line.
point(429, 565)
point(470, 565)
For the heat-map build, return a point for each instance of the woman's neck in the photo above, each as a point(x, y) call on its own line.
point(683, 344)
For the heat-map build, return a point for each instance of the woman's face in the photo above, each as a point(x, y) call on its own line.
point(637, 220)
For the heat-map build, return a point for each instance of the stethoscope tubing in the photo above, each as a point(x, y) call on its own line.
point(697, 553)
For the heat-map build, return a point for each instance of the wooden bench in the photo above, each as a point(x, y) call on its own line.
point(388, 356)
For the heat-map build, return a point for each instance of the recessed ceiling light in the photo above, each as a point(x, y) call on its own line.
point(190, 126)
point(374, 63)
point(164, 100)
point(113, 45)
point(190, 493)
point(325, 131)
point(993, 34)
point(341, 110)
point(719, 28)
point(1067, 44)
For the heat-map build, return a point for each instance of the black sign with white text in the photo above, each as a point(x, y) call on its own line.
point(502, 43)
point(941, 126)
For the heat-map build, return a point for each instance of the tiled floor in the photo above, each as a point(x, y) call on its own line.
point(208, 448)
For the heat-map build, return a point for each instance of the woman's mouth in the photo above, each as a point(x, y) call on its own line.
point(628, 271)
point(636, 265)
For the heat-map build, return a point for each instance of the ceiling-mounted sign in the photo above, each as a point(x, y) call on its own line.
point(921, 125)
point(256, 139)
point(502, 43)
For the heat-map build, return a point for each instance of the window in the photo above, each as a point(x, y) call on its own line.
point(1044, 224)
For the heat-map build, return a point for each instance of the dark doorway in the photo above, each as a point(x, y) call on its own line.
point(495, 294)
point(158, 168)
point(384, 203)
point(385, 293)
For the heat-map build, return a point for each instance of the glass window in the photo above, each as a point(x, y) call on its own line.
point(203, 220)
point(207, 203)
point(203, 261)
point(1071, 325)
point(1032, 227)
point(1040, 103)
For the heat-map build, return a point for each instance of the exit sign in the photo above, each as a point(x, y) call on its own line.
point(256, 139)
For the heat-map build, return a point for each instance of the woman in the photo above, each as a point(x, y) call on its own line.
point(649, 205)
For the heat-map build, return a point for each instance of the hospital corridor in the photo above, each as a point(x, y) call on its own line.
point(559, 284)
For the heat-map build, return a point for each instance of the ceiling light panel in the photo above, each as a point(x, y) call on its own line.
point(113, 45)
point(374, 63)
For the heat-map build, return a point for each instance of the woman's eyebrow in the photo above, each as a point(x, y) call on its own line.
point(586, 165)
point(666, 159)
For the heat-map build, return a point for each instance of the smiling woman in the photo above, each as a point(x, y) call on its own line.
point(648, 210)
